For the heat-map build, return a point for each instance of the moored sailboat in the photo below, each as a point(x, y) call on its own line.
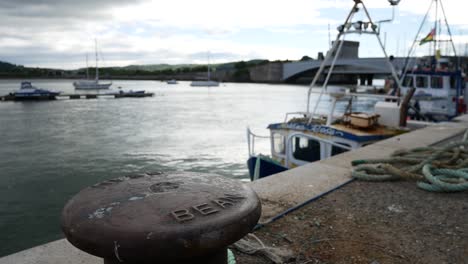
point(92, 84)
point(208, 82)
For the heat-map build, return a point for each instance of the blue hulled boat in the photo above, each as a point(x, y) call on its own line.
point(30, 92)
point(302, 139)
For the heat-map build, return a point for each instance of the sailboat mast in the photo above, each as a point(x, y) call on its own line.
point(97, 68)
point(435, 28)
point(87, 67)
point(208, 68)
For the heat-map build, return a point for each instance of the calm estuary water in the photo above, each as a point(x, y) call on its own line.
point(51, 150)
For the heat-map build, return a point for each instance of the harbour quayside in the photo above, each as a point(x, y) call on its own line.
point(92, 84)
point(441, 92)
point(305, 137)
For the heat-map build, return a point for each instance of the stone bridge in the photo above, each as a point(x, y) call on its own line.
point(345, 69)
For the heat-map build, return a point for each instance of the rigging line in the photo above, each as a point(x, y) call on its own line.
point(405, 67)
point(448, 28)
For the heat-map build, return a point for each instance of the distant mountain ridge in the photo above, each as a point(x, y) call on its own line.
point(7, 66)
point(9, 70)
point(237, 70)
point(155, 67)
point(165, 66)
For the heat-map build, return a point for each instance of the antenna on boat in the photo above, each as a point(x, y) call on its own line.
point(349, 27)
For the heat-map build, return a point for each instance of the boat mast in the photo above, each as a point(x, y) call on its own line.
point(448, 29)
point(208, 67)
point(96, 54)
point(435, 30)
point(87, 67)
point(416, 38)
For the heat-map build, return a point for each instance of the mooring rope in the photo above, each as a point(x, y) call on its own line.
point(254, 246)
point(437, 169)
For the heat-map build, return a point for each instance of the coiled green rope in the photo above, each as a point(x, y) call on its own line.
point(231, 258)
point(437, 169)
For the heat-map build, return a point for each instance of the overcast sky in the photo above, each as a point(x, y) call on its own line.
point(59, 33)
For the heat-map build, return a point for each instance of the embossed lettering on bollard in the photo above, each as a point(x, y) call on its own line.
point(223, 203)
point(228, 200)
point(205, 209)
point(182, 215)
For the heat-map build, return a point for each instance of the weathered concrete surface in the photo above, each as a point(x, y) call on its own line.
point(293, 187)
point(57, 252)
point(461, 119)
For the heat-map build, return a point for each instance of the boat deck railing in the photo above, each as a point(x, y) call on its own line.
point(251, 141)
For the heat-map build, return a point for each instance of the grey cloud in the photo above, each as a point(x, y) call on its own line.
point(38, 24)
point(66, 9)
point(42, 56)
point(81, 6)
point(203, 56)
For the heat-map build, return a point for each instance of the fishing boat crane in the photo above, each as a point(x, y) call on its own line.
point(305, 137)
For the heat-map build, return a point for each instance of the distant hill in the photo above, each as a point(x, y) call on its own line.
point(156, 67)
point(9, 70)
point(238, 69)
point(165, 67)
point(6, 66)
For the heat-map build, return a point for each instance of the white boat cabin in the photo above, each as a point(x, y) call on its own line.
point(436, 92)
point(296, 144)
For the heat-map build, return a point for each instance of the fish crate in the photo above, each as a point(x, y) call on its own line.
point(362, 120)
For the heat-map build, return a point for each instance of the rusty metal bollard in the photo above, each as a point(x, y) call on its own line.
point(161, 218)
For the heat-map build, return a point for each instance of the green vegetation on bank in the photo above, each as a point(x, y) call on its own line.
point(8, 70)
point(236, 70)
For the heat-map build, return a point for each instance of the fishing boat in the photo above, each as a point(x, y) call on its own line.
point(92, 84)
point(30, 92)
point(440, 90)
point(305, 137)
point(439, 94)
